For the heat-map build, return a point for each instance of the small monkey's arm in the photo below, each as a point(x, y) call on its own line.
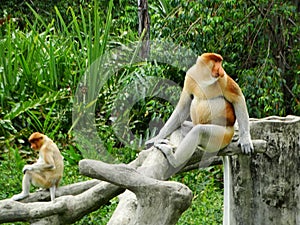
point(38, 167)
point(42, 164)
point(180, 114)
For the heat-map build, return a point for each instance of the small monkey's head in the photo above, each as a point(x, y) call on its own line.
point(214, 63)
point(36, 140)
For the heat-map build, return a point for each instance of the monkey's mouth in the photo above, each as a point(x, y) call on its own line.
point(216, 75)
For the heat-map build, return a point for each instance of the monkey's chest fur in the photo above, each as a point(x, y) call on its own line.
point(216, 110)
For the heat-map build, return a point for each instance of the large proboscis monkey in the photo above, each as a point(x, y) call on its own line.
point(47, 171)
point(214, 101)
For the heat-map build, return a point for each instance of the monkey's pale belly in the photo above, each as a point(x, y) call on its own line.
point(210, 111)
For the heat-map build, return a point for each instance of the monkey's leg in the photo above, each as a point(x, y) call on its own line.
point(209, 137)
point(40, 181)
point(52, 192)
point(25, 187)
point(168, 150)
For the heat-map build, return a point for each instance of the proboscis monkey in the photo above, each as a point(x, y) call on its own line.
point(47, 171)
point(214, 101)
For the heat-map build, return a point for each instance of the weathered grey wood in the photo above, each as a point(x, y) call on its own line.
point(128, 211)
point(264, 188)
point(72, 189)
point(64, 210)
point(150, 162)
point(12, 211)
point(216, 159)
point(158, 202)
point(155, 165)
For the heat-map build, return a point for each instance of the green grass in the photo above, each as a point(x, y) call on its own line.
point(207, 204)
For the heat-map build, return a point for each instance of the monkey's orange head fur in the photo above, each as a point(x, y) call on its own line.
point(36, 140)
point(212, 56)
point(214, 61)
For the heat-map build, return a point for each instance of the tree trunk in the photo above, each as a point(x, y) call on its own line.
point(144, 27)
point(265, 188)
point(157, 202)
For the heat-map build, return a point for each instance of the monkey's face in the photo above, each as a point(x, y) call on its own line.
point(36, 144)
point(36, 140)
point(217, 69)
point(211, 63)
point(33, 145)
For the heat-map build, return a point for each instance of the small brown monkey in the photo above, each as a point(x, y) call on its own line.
point(47, 171)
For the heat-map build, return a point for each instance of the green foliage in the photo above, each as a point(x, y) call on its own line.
point(41, 69)
point(207, 187)
point(133, 102)
point(11, 169)
point(101, 216)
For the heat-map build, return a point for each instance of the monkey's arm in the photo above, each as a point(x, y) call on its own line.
point(233, 94)
point(179, 115)
point(242, 117)
point(45, 162)
point(38, 167)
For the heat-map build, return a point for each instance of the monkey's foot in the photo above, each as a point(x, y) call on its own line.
point(167, 150)
point(20, 196)
point(165, 142)
point(41, 189)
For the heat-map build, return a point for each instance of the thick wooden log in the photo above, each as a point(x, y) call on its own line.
point(158, 202)
point(198, 161)
point(264, 188)
point(72, 189)
point(153, 165)
point(64, 210)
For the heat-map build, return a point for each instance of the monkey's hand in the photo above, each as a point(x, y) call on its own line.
point(246, 144)
point(167, 150)
point(153, 141)
point(150, 142)
point(27, 167)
